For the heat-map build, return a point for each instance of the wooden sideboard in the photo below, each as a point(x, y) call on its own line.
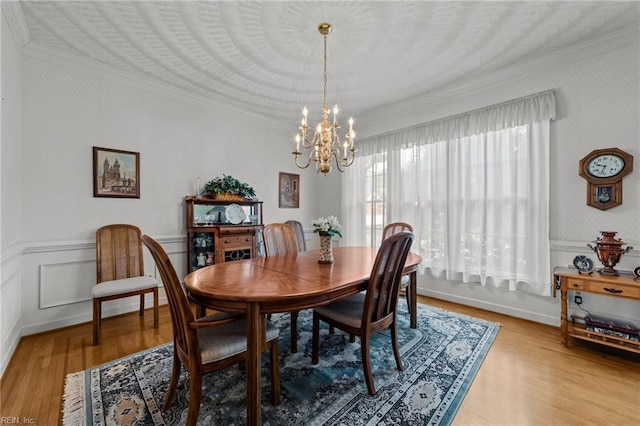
point(566, 279)
point(212, 238)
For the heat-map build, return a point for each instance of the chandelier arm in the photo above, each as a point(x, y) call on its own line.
point(305, 165)
point(306, 143)
point(342, 162)
point(350, 161)
point(335, 155)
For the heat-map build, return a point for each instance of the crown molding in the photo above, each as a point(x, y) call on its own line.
point(619, 39)
point(17, 24)
point(149, 84)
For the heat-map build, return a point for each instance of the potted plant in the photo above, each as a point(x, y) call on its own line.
point(228, 188)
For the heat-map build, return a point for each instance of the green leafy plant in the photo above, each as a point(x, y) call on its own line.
point(224, 184)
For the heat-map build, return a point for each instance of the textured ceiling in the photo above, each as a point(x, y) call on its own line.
point(266, 57)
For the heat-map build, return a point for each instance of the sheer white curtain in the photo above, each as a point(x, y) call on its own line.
point(475, 187)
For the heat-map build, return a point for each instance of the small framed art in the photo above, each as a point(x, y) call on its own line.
point(116, 173)
point(289, 190)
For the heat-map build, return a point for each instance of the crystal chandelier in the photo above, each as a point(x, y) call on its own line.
point(325, 144)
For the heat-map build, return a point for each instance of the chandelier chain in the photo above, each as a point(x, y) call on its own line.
point(324, 73)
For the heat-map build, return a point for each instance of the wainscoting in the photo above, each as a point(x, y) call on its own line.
point(48, 285)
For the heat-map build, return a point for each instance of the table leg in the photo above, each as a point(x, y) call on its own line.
point(254, 350)
point(413, 282)
point(564, 327)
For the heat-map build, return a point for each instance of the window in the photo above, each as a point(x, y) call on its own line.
point(375, 195)
point(478, 201)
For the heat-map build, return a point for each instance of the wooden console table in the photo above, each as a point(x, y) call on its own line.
point(567, 279)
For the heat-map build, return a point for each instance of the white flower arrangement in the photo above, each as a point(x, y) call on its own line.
point(327, 226)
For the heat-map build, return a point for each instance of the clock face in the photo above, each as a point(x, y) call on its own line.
point(605, 166)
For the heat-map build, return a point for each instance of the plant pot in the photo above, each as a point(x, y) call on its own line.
point(227, 196)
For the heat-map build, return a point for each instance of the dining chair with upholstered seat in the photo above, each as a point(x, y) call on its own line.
point(279, 238)
point(206, 344)
point(406, 283)
point(299, 231)
point(120, 271)
point(366, 313)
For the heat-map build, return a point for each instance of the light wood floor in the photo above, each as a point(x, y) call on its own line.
point(528, 377)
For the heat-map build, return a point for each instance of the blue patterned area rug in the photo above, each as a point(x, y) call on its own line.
point(440, 360)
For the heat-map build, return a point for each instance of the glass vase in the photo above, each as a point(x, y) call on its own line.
point(326, 252)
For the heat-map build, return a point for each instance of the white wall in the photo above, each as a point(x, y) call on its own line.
point(598, 104)
point(10, 197)
point(49, 214)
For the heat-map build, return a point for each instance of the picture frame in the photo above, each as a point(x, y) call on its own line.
point(116, 173)
point(289, 190)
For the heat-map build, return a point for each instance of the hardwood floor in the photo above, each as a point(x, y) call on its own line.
point(528, 377)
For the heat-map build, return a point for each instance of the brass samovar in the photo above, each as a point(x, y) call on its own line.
point(609, 249)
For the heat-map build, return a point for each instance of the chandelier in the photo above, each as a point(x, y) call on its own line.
point(325, 145)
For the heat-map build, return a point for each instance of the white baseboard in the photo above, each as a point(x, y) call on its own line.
point(493, 307)
point(82, 318)
point(9, 345)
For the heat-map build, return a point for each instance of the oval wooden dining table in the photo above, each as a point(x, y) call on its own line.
point(282, 283)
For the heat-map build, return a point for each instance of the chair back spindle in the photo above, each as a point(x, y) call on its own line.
point(279, 238)
point(384, 282)
point(394, 227)
point(118, 252)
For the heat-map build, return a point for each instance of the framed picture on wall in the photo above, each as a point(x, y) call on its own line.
point(289, 190)
point(116, 173)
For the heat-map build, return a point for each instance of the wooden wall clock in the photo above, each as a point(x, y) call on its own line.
point(604, 169)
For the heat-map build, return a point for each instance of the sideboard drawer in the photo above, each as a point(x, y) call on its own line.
point(614, 290)
point(236, 240)
point(576, 284)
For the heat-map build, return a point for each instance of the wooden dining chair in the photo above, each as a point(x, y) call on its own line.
point(407, 283)
point(120, 271)
point(366, 313)
point(279, 238)
point(206, 344)
point(299, 231)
